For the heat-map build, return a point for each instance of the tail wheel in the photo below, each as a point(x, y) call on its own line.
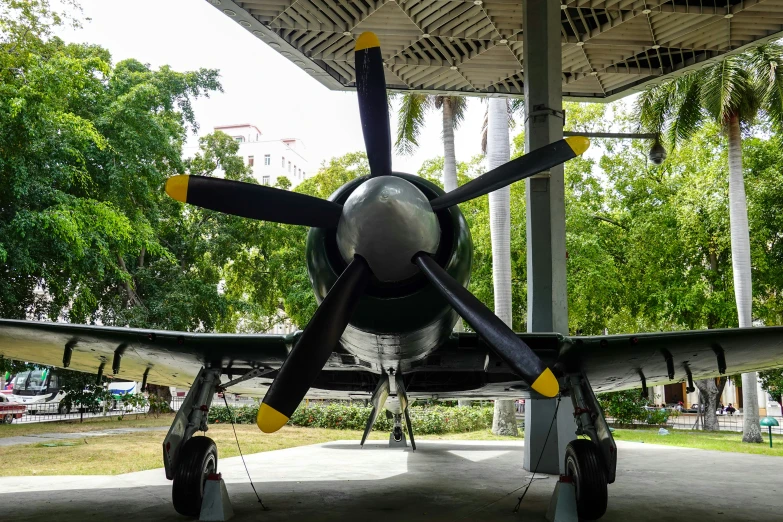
point(8, 419)
point(584, 465)
point(196, 461)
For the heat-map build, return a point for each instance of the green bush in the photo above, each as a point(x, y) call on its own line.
point(352, 416)
point(624, 406)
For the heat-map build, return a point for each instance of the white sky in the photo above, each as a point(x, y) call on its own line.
point(261, 87)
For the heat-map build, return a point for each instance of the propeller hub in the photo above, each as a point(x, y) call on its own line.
point(387, 220)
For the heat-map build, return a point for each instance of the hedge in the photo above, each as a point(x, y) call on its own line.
point(348, 416)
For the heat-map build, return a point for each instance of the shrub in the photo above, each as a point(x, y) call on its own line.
point(352, 416)
point(624, 406)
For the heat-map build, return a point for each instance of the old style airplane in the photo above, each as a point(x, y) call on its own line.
point(389, 257)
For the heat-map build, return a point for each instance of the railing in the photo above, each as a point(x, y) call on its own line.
point(59, 411)
point(694, 421)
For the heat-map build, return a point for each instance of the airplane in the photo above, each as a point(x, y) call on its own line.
point(389, 257)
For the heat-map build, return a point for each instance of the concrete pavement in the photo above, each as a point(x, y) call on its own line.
point(443, 480)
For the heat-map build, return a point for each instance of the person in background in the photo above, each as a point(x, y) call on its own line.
point(730, 409)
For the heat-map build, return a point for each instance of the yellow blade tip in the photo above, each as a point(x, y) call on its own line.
point(177, 187)
point(578, 144)
point(546, 384)
point(366, 40)
point(270, 420)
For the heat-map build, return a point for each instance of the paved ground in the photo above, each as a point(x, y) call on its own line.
point(48, 437)
point(443, 481)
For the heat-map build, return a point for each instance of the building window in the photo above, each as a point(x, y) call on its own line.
point(283, 161)
point(300, 173)
point(265, 180)
point(239, 139)
point(250, 161)
point(267, 159)
point(289, 166)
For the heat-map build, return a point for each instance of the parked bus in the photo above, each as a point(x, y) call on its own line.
point(39, 390)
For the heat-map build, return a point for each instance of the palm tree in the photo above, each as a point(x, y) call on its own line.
point(411, 120)
point(733, 93)
point(498, 153)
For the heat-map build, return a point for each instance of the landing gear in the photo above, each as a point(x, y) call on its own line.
point(591, 464)
point(584, 465)
point(62, 409)
point(190, 460)
point(8, 419)
point(197, 460)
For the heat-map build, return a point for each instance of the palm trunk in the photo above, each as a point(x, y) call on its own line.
point(740, 261)
point(498, 153)
point(450, 169)
point(449, 157)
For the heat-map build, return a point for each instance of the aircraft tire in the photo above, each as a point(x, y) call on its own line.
point(8, 419)
point(62, 409)
point(584, 465)
point(197, 460)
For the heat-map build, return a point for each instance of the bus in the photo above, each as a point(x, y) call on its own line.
point(39, 390)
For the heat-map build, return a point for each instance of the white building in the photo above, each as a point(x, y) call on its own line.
point(270, 158)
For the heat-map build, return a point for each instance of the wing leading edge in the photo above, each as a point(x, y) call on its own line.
point(173, 358)
point(617, 362)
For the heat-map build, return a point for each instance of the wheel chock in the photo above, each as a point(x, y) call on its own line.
point(562, 506)
point(215, 506)
point(402, 443)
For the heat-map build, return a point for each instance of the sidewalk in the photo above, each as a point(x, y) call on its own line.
point(49, 437)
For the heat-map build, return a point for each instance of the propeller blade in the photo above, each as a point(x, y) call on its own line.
point(500, 337)
point(523, 167)
point(373, 106)
point(314, 347)
point(254, 201)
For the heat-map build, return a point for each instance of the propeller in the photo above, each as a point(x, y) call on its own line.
point(254, 201)
point(500, 337)
point(314, 347)
point(324, 330)
point(373, 105)
point(539, 160)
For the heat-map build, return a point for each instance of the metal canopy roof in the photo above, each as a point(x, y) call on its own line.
point(609, 48)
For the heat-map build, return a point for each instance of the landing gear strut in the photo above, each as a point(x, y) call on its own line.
point(190, 460)
point(592, 463)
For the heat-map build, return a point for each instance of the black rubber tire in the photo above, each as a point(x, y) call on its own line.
point(197, 459)
point(584, 464)
point(62, 409)
point(8, 419)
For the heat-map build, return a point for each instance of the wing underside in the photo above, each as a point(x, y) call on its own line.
point(463, 366)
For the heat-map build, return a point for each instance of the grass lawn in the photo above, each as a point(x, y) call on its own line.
point(116, 454)
point(719, 441)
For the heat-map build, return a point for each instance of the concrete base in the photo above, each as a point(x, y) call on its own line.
point(402, 443)
point(538, 418)
point(215, 506)
point(442, 481)
point(562, 506)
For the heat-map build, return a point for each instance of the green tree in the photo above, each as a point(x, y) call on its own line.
point(413, 108)
point(772, 383)
point(731, 93)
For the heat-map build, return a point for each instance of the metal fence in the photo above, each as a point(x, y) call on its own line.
point(58, 411)
point(695, 421)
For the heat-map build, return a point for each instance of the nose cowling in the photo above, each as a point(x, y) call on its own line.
point(387, 221)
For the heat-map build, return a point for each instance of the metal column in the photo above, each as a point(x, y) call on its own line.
point(547, 305)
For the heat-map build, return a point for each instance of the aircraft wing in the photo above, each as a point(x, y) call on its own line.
point(173, 358)
point(617, 362)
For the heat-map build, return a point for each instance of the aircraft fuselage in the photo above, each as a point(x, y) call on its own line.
point(400, 321)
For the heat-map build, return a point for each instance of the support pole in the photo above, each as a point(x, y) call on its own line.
point(547, 305)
